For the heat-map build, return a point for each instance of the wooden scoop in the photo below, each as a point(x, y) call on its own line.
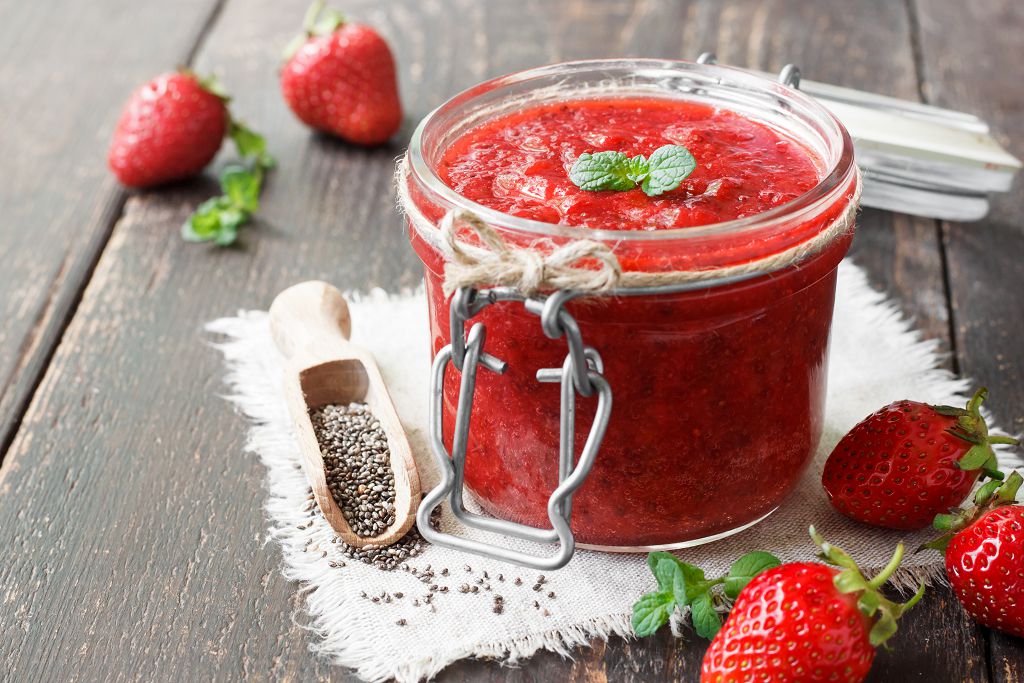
point(310, 324)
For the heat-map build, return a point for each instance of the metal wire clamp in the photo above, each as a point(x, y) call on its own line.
point(582, 373)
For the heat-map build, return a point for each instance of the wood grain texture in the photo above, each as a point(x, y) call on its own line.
point(128, 503)
point(971, 55)
point(64, 74)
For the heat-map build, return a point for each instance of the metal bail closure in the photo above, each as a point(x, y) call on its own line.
point(582, 372)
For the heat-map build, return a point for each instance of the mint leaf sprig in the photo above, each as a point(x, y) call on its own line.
point(218, 219)
point(663, 171)
point(683, 585)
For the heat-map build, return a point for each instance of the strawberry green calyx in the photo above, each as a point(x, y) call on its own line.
point(318, 21)
point(988, 497)
point(870, 601)
point(971, 427)
point(211, 84)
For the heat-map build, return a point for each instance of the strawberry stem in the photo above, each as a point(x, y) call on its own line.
point(974, 405)
point(311, 15)
point(870, 601)
point(889, 569)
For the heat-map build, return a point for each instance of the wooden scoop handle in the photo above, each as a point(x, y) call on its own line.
point(310, 323)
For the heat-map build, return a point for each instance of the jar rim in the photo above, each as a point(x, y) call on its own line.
point(836, 173)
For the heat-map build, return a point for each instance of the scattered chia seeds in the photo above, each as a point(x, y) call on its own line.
point(357, 466)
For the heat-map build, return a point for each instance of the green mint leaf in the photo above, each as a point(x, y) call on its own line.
point(665, 568)
point(693, 584)
point(602, 171)
point(227, 235)
point(242, 187)
point(219, 218)
point(706, 620)
point(651, 612)
point(250, 144)
point(204, 224)
point(746, 568)
point(637, 168)
point(230, 220)
point(684, 580)
point(668, 168)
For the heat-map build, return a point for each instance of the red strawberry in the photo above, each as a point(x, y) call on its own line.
point(170, 129)
point(806, 622)
point(910, 461)
point(983, 557)
point(340, 78)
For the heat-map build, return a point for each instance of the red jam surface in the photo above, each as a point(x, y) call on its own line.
point(717, 393)
point(519, 164)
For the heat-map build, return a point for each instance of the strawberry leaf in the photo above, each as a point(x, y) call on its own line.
point(746, 568)
point(651, 612)
point(706, 620)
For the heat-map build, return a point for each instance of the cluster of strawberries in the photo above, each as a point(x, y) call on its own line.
point(906, 466)
point(338, 78)
point(909, 465)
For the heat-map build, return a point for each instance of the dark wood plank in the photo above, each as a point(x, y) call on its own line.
point(66, 72)
point(136, 533)
point(971, 54)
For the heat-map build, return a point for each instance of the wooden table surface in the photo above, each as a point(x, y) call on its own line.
point(131, 527)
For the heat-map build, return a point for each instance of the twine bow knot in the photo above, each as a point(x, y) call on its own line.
point(541, 266)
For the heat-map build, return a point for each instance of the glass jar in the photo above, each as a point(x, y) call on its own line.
point(718, 390)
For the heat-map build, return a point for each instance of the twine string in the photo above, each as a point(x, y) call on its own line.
point(585, 266)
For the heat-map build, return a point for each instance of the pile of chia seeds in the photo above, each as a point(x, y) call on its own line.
point(357, 464)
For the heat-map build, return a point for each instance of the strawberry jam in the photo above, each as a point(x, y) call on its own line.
point(519, 164)
point(718, 391)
